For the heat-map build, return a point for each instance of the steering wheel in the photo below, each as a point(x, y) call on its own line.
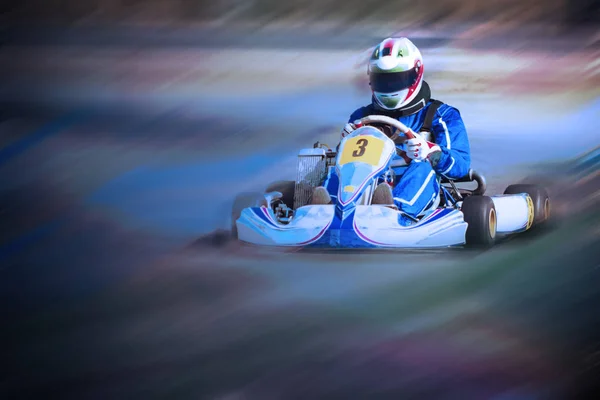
point(388, 121)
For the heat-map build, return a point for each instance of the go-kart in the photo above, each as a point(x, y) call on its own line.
point(285, 215)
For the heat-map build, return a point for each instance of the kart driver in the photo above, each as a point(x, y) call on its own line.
point(398, 90)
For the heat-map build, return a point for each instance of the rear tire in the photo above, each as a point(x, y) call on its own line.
point(242, 201)
point(287, 188)
point(539, 197)
point(479, 212)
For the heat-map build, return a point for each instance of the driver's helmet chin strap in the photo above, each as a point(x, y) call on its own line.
point(416, 105)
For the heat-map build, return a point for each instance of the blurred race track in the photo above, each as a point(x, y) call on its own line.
point(120, 156)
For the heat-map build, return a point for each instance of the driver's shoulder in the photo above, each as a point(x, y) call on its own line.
point(447, 111)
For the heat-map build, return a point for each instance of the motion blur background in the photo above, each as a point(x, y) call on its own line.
point(128, 127)
point(568, 13)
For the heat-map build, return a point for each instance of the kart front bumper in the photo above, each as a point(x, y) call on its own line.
point(371, 226)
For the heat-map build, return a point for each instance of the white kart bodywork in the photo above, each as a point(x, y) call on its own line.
point(351, 221)
point(375, 226)
point(514, 212)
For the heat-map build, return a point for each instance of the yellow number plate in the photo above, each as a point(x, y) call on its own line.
point(365, 149)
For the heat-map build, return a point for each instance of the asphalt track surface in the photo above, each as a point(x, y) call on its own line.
point(114, 286)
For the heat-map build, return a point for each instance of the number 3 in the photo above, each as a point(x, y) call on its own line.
point(362, 146)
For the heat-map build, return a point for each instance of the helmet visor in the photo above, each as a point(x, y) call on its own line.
point(390, 82)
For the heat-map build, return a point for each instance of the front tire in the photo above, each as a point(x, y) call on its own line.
point(479, 212)
point(539, 197)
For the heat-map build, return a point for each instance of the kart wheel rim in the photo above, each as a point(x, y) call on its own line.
point(546, 209)
point(492, 223)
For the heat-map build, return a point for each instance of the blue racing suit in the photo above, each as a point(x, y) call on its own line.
point(418, 186)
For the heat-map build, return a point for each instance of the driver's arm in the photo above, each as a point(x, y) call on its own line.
point(451, 135)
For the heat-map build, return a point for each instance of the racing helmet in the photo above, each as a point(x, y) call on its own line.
point(395, 73)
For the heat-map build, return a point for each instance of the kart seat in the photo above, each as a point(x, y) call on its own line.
point(471, 176)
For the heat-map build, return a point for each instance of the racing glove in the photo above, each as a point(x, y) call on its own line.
point(420, 149)
point(348, 129)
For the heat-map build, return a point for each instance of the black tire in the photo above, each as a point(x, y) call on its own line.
point(539, 197)
point(244, 200)
point(479, 212)
point(287, 188)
